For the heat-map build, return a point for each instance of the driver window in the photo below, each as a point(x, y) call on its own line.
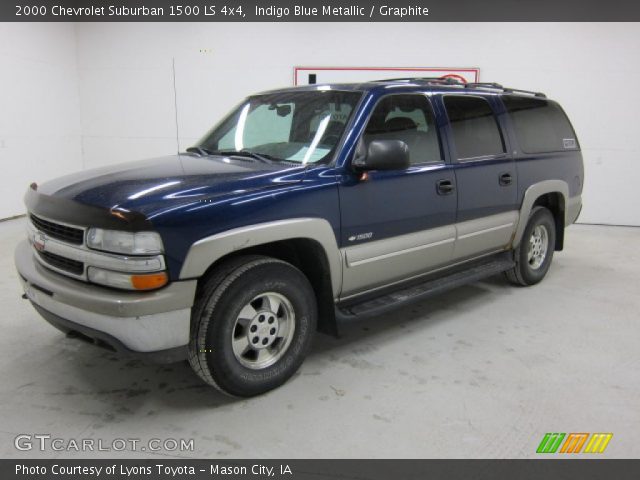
point(408, 118)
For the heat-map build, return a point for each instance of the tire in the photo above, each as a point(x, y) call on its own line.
point(534, 254)
point(252, 325)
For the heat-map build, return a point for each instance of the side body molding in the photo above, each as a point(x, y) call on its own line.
point(531, 195)
point(210, 249)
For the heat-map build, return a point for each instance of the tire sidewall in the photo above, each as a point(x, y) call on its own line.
point(227, 371)
point(541, 216)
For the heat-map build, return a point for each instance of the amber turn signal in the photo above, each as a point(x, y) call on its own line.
point(149, 281)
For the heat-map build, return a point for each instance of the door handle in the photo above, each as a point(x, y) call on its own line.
point(505, 179)
point(444, 187)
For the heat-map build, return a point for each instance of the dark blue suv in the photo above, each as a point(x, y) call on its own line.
point(302, 207)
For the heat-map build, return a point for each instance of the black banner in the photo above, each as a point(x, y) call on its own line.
point(166, 469)
point(318, 10)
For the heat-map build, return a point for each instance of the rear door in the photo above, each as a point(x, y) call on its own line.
point(485, 174)
point(397, 224)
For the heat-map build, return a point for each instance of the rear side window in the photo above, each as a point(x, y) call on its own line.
point(475, 129)
point(540, 125)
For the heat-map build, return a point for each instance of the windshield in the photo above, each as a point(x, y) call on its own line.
point(302, 127)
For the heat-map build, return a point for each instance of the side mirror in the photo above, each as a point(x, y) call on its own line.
point(382, 155)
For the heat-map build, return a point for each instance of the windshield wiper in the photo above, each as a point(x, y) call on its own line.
point(200, 151)
point(263, 157)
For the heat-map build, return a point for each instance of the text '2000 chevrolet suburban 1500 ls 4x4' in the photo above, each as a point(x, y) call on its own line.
point(300, 208)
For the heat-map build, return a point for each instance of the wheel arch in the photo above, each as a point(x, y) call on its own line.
point(308, 244)
point(551, 194)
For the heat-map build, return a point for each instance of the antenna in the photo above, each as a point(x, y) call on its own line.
point(175, 103)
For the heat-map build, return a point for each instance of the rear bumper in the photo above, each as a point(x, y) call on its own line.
point(154, 323)
point(574, 207)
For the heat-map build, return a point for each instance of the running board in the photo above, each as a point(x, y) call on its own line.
point(414, 293)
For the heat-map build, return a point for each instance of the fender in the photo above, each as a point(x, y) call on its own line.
point(531, 195)
point(208, 250)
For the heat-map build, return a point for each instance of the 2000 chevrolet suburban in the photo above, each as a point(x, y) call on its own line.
point(300, 208)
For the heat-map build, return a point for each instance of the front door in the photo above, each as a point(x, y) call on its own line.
point(398, 224)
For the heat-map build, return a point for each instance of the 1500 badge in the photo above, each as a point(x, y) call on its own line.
point(361, 236)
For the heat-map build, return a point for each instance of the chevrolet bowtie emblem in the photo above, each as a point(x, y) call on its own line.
point(38, 241)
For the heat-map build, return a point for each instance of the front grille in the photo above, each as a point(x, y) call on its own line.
point(58, 231)
point(66, 264)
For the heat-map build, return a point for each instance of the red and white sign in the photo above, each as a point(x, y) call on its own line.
point(301, 75)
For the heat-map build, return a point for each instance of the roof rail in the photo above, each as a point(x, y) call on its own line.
point(517, 90)
point(455, 82)
point(439, 80)
point(497, 86)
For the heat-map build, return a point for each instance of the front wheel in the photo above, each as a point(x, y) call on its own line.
point(534, 254)
point(252, 325)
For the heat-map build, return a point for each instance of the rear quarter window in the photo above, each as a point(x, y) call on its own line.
point(541, 126)
point(475, 129)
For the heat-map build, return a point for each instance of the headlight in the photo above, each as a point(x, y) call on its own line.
point(138, 243)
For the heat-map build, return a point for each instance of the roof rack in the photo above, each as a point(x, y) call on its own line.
point(497, 86)
point(455, 82)
point(439, 80)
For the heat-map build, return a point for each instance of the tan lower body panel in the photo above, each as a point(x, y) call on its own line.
point(377, 263)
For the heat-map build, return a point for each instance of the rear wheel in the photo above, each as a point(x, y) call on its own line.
point(252, 325)
point(534, 254)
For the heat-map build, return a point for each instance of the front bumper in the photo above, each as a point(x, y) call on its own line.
point(153, 324)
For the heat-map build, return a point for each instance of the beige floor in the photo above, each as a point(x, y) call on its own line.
point(482, 371)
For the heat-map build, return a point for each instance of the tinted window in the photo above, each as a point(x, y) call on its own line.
point(408, 118)
point(475, 128)
point(540, 125)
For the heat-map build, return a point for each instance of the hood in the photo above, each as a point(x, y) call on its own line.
point(150, 185)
